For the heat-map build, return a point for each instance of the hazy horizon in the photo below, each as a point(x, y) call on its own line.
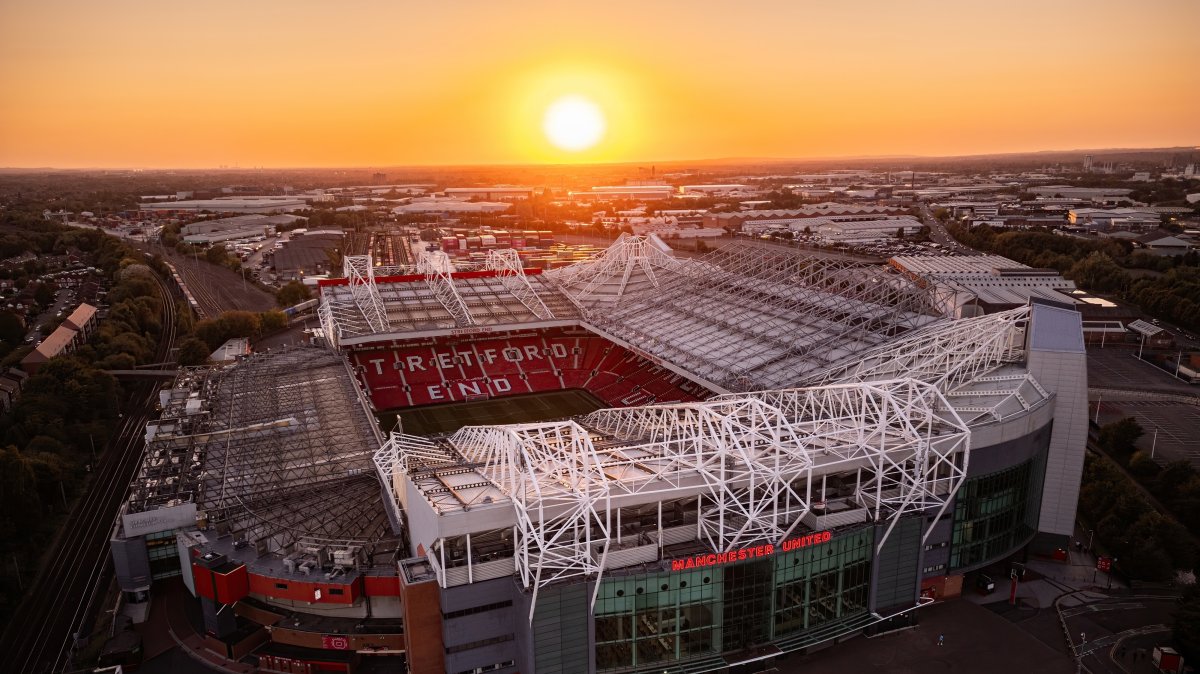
point(640, 162)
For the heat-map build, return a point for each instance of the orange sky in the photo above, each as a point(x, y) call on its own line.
point(314, 83)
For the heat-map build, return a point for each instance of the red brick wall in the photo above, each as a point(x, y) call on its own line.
point(423, 627)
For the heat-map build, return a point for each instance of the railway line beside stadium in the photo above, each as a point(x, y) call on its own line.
point(61, 602)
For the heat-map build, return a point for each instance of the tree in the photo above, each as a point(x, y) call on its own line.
point(215, 254)
point(1142, 466)
point(18, 493)
point(44, 294)
point(899, 232)
point(1186, 629)
point(192, 351)
point(11, 330)
point(292, 294)
point(270, 321)
point(1118, 437)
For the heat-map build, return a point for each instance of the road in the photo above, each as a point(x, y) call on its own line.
point(939, 235)
point(76, 570)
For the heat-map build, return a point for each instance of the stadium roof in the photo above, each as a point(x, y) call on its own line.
point(631, 264)
point(737, 319)
point(557, 483)
point(897, 415)
point(363, 308)
point(744, 319)
point(276, 448)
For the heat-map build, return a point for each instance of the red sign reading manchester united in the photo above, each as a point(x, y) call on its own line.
point(742, 554)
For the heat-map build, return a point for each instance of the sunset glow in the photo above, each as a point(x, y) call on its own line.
point(573, 123)
point(384, 83)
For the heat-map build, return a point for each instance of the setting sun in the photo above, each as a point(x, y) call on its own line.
point(573, 123)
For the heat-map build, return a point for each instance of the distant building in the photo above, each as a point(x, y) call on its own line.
point(495, 193)
point(985, 284)
point(237, 227)
point(431, 205)
point(11, 384)
point(231, 205)
point(766, 220)
point(1131, 219)
point(1163, 243)
point(859, 230)
point(718, 189)
point(68, 337)
point(630, 192)
point(82, 320)
point(307, 254)
point(230, 351)
point(1098, 194)
point(1153, 336)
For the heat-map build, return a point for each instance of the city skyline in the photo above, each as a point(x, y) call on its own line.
point(305, 85)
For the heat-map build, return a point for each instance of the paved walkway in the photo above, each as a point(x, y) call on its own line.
point(168, 628)
point(977, 640)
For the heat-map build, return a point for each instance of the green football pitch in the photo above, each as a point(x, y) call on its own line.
point(439, 419)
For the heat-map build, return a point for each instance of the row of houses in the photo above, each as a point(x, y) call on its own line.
point(66, 339)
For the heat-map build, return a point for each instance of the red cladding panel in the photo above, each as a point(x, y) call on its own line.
point(382, 586)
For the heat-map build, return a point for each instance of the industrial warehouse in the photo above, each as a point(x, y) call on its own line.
point(766, 453)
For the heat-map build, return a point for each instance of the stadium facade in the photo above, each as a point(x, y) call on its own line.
point(795, 450)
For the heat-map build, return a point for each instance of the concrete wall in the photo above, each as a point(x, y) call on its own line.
point(895, 583)
point(131, 562)
point(1056, 358)
point(498, 625)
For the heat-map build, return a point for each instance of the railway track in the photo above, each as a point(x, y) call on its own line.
point(42, 634)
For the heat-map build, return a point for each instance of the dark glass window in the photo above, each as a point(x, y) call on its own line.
point(654, 619)
point(997, 512)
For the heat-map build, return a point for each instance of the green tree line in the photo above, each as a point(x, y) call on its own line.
point(1148, 545)
point(1103, 266)
point(70, 406)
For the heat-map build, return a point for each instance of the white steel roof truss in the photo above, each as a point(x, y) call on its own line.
point(361, 276)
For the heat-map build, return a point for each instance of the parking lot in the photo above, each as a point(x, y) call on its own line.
point(1117, 367)
point(1170, 425)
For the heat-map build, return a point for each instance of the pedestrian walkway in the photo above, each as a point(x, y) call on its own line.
point(173, 598)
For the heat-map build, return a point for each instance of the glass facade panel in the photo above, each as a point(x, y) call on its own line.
point(164, 555)
point(997, 512)
point(656, 618)
point(822, 584)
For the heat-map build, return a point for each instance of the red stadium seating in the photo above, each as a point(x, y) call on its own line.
point(464, 368)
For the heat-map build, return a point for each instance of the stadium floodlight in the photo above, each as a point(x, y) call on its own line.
point(360, 273)
point(438, 271)
point(507, 265)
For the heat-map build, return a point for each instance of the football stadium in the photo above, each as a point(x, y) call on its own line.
point(635, 463)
